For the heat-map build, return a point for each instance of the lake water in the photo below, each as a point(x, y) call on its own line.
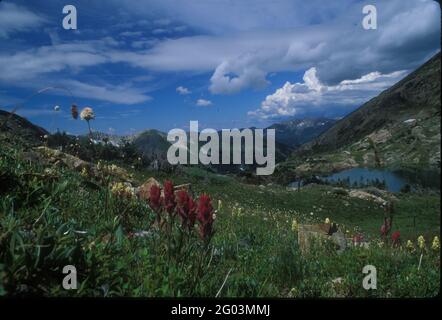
point(389, 180)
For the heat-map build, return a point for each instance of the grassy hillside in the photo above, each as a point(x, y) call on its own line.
point(21, 128)
point(52, 215)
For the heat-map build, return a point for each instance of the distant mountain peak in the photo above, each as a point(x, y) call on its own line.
point(295, 132)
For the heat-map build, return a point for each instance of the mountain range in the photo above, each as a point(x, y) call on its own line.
point(290, 134)
point(296, 132)
point(399, 128)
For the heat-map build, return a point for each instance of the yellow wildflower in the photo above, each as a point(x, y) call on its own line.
point(121, 189)
point(117, 188)
point(436, 244)
point(294, 225)
point(84, 173)
point(410, 245)
point(421, 242)
point(112, 168)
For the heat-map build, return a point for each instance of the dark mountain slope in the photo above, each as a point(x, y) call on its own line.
point(152, 143)
point(419, 91)
point(19, 126)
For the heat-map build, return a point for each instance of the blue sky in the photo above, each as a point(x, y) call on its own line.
point(161, 63)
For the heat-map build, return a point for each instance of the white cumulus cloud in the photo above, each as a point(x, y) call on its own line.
point(296, 98)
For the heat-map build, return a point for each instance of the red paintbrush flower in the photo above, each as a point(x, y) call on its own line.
point(169, 197)
point(396, 238)
point(186, 209)
point(183, 205)
point(155, 198)
point(205, 216)
point(155, 201)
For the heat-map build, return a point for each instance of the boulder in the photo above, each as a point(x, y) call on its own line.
point(381, 193)
point(339, 239)
point(323, 231)
point(144, 190)
point(59, 158)
point(68, 160)
point(367, 196)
